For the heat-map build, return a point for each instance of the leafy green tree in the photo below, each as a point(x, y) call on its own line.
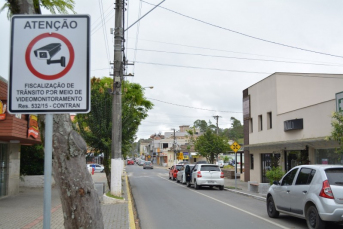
point(32, 160)
point(96, 126)
point(337, 132)
point(201, 124)
point(210, 144)
point(61, 6)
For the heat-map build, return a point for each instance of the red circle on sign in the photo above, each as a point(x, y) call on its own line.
point(58, 75)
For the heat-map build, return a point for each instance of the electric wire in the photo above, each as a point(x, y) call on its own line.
point(193, 67)
point(197, 108)
point(239, 58)
point(247, 35)
point(104, 30)
point(229, 51)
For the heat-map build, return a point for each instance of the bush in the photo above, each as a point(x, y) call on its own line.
point(275, 174)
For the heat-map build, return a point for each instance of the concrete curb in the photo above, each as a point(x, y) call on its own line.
point(261, 198)
point(131, 217)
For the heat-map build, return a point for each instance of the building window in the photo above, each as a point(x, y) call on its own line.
point(194, 160)
point(260, 124)
point(251, 161)
point(250, 126)
point(269, 120)
point(165, 145)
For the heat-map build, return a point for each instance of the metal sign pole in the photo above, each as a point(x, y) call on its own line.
point(236, 170)
point(47, 170)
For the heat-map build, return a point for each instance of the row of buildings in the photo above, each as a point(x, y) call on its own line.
point(286, 116)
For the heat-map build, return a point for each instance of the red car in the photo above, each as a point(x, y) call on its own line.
point(173, 171)
point(130, 162)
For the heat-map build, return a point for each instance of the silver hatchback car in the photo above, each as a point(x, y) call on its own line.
point(311, 192)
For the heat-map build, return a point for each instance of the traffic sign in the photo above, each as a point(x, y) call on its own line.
point(235, 147)
point(49, 64)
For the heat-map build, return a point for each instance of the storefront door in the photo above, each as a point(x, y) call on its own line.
point(3, 169)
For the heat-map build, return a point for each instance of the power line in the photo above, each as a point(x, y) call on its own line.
point(247, 35)
point(239, 58)
point(215, 69)
point(104, 29)
point(194, 107)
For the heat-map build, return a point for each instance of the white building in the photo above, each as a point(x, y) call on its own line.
point(288, 115)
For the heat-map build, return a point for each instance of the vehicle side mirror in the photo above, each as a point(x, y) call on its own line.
point(276, 182)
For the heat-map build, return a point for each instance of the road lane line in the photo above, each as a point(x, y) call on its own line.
point(239, 209)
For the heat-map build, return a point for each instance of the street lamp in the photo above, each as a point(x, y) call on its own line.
point(151, 87)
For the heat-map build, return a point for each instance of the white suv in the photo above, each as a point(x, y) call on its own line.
point(206, 175)
point(311, 192)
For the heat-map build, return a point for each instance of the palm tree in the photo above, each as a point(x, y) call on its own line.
point(60, 6)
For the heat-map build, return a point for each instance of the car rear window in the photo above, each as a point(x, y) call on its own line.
point(209, 168)
point(335, 176)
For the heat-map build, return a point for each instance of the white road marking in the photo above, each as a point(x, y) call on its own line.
point(239, 209)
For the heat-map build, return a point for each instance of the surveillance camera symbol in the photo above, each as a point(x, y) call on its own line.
point(48, 51)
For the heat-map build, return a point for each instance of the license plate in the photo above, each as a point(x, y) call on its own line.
point(210, 181)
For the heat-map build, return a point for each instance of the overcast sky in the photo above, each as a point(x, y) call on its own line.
point(206, 62)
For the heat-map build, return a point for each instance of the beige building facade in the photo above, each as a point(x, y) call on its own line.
point(287, 117)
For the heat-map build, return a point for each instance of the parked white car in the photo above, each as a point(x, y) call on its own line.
point(206, 175)
point(97, 168)
point(220, 163)
point(311, 192)
point(181, 175)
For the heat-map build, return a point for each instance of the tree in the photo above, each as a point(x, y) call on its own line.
point(20, 6)
point(75, 184)
point(209, 145)
point(337, 132)
point(96, 126)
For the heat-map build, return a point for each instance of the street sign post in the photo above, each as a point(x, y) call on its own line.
point(49, 64)
point(235, 147)
point(49, 73)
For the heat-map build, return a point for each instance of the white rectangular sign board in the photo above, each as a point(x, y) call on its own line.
point(49, 65)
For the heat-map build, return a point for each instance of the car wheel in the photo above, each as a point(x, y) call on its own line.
point(272, 212)
point(221, 187)
point(313, 219)
point(196, 186)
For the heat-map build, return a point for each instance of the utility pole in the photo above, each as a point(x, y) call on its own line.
point(118, 66)
point(174, 146)
point(217, 117)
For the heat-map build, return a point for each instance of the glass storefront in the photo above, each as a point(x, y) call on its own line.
point(328, 156)
point(3, 169)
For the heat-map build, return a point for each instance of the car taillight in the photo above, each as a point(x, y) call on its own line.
point(221, 175)
point(326, 191)
point(199, 174)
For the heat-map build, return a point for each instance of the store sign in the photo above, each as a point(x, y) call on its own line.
point(33, 126)
point(185, 155)
point(49, 64)
point(294, 124)
point(2, 111)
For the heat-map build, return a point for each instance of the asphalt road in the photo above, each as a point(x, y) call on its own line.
point(162, 203)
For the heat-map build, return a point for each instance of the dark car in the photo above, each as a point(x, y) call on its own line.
point(174, 170)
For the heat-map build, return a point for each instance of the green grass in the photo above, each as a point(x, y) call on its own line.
point(231, 187)
point(112, 196)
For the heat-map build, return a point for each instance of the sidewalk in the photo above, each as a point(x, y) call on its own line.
point(230, 184)
point(25, 210)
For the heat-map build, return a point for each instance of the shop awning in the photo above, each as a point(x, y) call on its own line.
point(317, 143)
